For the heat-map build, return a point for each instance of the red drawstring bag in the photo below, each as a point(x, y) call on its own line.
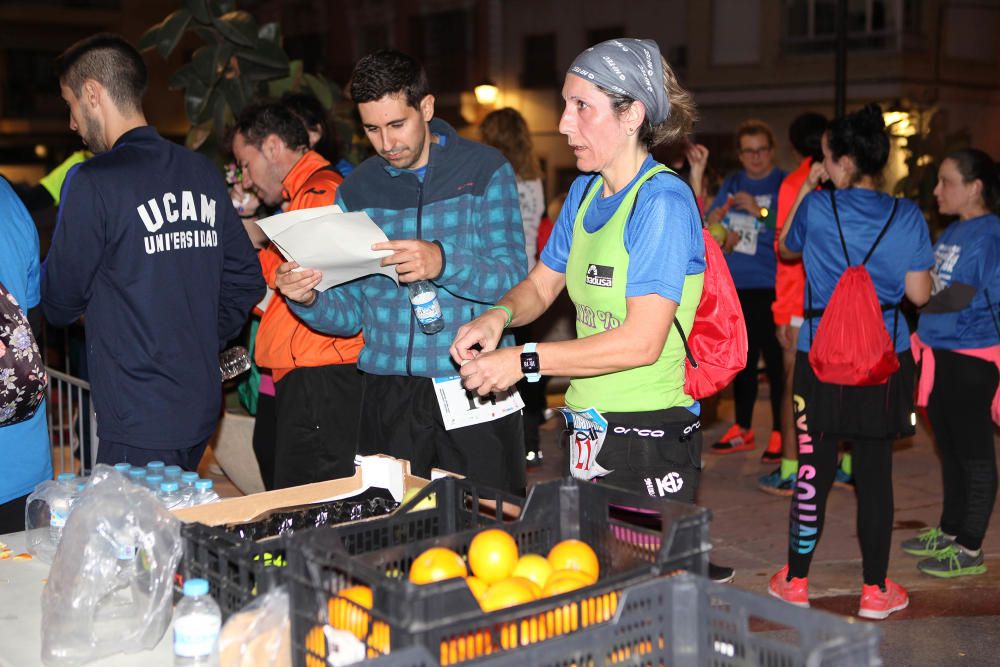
point(716, 346)
point(852, 346)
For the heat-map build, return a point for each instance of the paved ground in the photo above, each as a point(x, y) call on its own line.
point(949, 622)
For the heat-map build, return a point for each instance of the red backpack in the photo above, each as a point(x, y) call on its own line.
point(716, 346)
point(852, 346)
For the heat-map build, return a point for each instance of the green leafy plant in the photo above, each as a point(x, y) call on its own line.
point(239, 61)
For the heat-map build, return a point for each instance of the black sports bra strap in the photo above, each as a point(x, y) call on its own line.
point(885, 228)
point(843, 242)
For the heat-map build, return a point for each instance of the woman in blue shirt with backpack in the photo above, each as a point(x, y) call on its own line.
point(833, 230)
point(959, 343)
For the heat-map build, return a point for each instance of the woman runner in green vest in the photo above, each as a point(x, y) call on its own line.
point(628, 248)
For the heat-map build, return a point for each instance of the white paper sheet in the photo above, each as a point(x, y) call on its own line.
point(326, 239)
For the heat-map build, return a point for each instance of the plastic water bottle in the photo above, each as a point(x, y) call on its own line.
point(170, 494)
point(123, 468)
point(137, 476)
point(203, 492)
point(172, 474)
point(153, 482)
point(61, 505)
point(234, 362)
point(426, 307)
point(155, 467)
point(197, 621)
point(187, 484)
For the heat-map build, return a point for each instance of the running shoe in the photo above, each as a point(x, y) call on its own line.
point(720, 574)
point(775, 484)
point(878, 602)
point(793, 590)
point(953, 561)
point(735, 440)
point(842, 480)
point(929, 542)
point(773, 452)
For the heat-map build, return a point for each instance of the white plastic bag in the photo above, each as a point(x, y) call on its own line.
point(259, 635)
point(110, 588)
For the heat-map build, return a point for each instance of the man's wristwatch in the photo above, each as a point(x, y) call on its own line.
point(529, 363)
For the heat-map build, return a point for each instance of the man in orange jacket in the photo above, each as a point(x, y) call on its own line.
point(317, 385)
point(805, 134)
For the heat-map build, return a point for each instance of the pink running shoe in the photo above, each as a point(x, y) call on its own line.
point(794, 592)
point(878, 604)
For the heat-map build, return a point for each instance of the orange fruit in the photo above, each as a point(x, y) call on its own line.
point(492, 555)
point(536, 590)
point(574, 555)
point(533, 567)
point(437, 564)
point(477, 586)
point(507, 593)
point(346, 616)
point(563, 581)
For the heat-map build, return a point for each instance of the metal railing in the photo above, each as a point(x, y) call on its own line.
point(72, 423)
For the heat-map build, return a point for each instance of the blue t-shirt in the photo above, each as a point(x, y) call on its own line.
point(752, 262)
point(24, 447)
point(968, 252)
point(905, 247)
point(665, 225)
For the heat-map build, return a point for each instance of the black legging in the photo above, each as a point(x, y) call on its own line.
point(873, 480)
point(959, 410)
point(761, 339)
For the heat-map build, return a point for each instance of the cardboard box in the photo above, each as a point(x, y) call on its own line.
point(379, 471)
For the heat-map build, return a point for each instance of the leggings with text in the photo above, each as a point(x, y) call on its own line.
point(873, 478)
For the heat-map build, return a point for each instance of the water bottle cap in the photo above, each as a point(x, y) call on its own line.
point(155, 465)
point(169, 487)
point(172, 470)
point(190, 477)
point(65, 476)
point(203, 484)
point(195, 587)
point(123, 467)
point(137, 472)
point(154, 479)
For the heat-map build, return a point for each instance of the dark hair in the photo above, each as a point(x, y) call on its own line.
point(112, 62)
point(310, 111)
point(506, 130)
point(806, 134)
point(861, 136)
point(679, 120)
point(388, 72)
point(976, 165)
point(260, 120)
point(754, 126)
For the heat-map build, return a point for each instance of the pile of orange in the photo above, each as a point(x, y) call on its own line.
point(497, 574)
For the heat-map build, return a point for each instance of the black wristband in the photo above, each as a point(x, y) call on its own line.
point(444, 260)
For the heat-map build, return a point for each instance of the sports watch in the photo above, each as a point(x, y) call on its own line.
point(529, 363)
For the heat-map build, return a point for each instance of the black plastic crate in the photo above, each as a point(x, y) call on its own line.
point(241, 561)
point(688, 621)
point(444, 617)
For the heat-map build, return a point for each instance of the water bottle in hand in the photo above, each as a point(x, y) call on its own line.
point(234, 362)
point(426, 306)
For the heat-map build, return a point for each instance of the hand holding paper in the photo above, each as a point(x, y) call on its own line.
point(331, 243)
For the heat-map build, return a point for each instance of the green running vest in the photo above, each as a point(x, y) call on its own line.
point(596, 273)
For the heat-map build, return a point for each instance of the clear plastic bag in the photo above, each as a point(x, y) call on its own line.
point(259, 635)
point(110, 589)
point(41, 536)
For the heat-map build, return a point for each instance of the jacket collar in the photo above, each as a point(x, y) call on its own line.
point(307, 165)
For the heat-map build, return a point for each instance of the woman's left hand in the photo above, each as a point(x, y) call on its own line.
point(492, 371)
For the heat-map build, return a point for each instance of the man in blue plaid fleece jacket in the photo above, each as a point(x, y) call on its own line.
point(450, 209)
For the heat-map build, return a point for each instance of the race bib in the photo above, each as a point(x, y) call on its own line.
point(587, 431)
point(464, 408)
point(746, 225)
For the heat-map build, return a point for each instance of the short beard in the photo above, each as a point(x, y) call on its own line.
point(93, 134)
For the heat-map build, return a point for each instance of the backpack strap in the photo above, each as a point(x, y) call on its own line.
point(885, 228)
point(840, 231)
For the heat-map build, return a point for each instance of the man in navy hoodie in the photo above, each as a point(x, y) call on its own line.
point(149, 250)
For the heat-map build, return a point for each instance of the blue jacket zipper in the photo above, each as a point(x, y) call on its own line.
point(420, 210)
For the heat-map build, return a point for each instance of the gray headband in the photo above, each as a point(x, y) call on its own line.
point(630, 67)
